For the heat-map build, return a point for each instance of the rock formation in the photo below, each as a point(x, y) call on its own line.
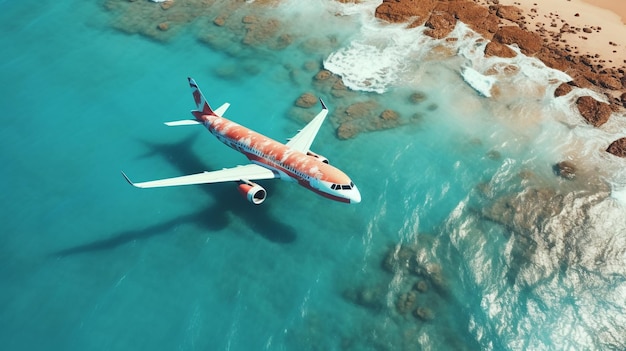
point(494, 48)
point(595, 112)
point(306, 100)
point(563, 89)
point(440, 24)
point(507, 25)
point(529, 43)
point(618, 147)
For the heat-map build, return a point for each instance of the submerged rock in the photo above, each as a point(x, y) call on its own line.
point(417, 97)
point(421, 286)
point(368, 297)
point(424, 313)
point(565, 169)
point(166, 5)
point(306, 100)
point(163, 26)
point(361, 109)
point(405, 302)
point(323, 75)
point(347, 130)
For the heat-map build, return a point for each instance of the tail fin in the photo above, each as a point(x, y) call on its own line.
point(203, 107)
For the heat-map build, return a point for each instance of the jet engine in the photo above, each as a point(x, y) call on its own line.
point(253, 192)
point(319, 157)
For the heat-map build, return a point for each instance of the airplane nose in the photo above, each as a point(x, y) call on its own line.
point(355, 196)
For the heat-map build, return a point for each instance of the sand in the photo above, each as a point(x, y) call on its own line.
point(617, 6)
point(602, 18)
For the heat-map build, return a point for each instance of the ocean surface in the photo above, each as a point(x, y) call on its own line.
point(466, 239)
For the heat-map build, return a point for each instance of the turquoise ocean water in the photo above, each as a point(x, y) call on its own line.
point(465, 239)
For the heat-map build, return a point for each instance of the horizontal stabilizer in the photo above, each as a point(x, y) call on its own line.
point(184, 122)
point(222, 109)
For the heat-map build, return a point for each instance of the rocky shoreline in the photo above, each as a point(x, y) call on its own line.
point(507, 25)
point(501, 25)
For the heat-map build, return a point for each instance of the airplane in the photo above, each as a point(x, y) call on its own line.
point(270, 159)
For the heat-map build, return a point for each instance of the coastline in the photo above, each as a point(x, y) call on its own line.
point(592, 28)
point(586, 42)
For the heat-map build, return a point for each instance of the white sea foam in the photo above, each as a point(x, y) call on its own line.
point(478, 81)
point(619, 195)
point(377, 60)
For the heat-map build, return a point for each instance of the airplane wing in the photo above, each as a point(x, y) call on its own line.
point(247, 172)
point(303, 140)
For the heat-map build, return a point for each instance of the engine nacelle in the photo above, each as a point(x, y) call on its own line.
point(319, 157)
point(253, 192)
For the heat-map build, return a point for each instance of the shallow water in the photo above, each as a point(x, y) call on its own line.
point(462, 192)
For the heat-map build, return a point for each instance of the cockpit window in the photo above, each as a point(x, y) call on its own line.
point(342, 187)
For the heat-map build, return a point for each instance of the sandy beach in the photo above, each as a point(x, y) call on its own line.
point(592, 27)
point(619, 7)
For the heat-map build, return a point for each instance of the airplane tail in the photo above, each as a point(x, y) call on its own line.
point(203, 107)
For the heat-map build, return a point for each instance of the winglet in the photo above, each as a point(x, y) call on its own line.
point(323, 104)
point(128, 179)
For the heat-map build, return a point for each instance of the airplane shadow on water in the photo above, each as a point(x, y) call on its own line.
point(230, 206)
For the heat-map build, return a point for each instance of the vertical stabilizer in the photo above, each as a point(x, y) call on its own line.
point(203, 107)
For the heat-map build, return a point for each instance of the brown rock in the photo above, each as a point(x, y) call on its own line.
point(219, 21)
point(401, 11)
point(565, 169)
point(595, 112)
point(474, 15)
point(554, 58)
point(347, 130)
point(306, 100)
point(424, 313)
point(494, 48)
point(389, 115)
point(563, 89)
point(323, 75)
point(529, 43)
point(163, 26)
point(609, 82)
point(511, 13)
point(421, 286)
point(618, 147)
point(417, 97)
point(361, 109)
point(623, 99)
point(249, 19)
point(405, 302)
point(440, 24)
point(165, 5)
